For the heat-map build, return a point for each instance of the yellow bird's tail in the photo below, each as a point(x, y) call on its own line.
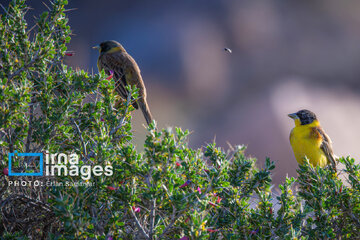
point(332, 161)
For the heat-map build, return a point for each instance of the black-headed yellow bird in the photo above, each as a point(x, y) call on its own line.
point(115, 60)
point(308, 139)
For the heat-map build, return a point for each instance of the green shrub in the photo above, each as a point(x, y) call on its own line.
point(168, 191)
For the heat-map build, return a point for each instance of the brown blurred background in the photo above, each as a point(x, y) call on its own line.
point(286, 55)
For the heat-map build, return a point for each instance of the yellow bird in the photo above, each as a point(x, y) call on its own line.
point(308, 139)
point(115, 60)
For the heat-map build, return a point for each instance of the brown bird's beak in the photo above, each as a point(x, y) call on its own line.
point(293, 115)
point(96, 47)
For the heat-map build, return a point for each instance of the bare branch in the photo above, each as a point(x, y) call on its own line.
point(138, 224)
point(152, 218)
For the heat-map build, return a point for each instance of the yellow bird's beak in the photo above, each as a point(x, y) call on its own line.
point(293, 116)
point(96, 47)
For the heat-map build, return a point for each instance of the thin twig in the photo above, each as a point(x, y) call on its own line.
point(70, 9)
point(172, 222)
point(10, 141)
point(6, 11)
point(91, 152)
point(31, 116)
point(138, 223)
point(152, 218)
point(46, 6)
point(80, 135)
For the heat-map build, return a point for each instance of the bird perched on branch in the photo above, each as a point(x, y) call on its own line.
point(308, 139)
point(115, 60)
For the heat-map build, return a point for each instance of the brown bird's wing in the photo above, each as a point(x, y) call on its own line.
point(326, 147)
point(126, 72)
point(114, 63)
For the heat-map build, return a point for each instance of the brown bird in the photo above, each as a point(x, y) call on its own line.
point(115, 60)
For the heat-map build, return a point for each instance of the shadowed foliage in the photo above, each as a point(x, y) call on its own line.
point(168, 191)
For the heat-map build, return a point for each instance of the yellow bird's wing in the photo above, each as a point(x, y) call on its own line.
point(326, 147)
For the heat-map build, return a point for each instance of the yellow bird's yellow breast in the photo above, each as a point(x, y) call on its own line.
point(305, 142)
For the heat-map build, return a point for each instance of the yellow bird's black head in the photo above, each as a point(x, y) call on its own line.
point(303, 116)
point(109, 47)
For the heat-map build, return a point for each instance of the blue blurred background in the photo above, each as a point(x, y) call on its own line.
point(286, 55)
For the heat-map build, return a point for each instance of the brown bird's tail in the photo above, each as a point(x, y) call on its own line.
point(145, 110)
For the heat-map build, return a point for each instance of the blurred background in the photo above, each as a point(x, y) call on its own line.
point(286, 56)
